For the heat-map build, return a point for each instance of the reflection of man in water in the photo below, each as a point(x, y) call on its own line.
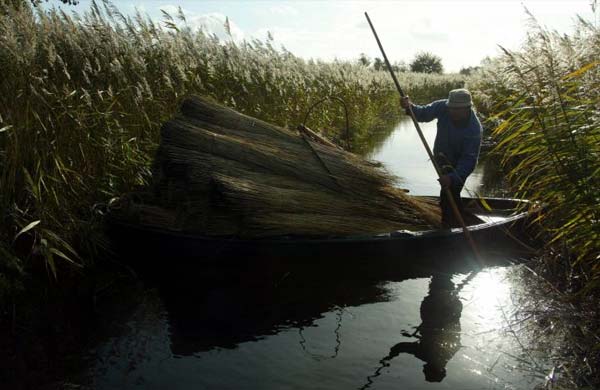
point(438, 334)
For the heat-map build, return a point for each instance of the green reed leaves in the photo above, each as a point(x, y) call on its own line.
point(547, 100)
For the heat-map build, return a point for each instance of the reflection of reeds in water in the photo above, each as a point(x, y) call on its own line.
point(338, 339)
point(252, 306)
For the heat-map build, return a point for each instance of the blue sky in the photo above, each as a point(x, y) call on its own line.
point(461, 32)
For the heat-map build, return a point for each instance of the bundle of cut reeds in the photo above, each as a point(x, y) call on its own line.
point(219, 172)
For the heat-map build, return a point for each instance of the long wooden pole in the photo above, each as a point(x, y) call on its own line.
point(424, 141)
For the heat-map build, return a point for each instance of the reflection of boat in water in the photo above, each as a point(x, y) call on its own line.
point(226, 311)
point(253, 321)
point(224, 307)
point(496, 222)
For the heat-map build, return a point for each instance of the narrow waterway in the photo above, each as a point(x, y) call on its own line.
point(331, 327)
point(403, 154)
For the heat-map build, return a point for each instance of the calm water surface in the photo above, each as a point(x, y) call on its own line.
point(403, 154)
point(343, 327)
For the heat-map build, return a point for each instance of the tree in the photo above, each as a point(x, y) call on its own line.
point(364, 60)
point(469, 70)
point(378, 64)
point(426, 62)
point(400, 67)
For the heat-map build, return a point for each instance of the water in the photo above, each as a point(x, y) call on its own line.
point(270, 326)
point(403, 154)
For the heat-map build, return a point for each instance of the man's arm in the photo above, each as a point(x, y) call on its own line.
point(425, 113)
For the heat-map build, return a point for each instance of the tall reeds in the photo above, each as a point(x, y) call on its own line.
point(546, 98)
point(82, 98)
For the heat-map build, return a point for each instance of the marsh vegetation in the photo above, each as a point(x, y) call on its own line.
point(85, 96)
point(545, 102)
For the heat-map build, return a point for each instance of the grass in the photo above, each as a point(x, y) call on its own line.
point(83, 97)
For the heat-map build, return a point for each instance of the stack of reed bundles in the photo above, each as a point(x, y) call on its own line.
point(218, 172)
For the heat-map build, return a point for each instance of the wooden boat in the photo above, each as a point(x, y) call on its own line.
point(499, 224)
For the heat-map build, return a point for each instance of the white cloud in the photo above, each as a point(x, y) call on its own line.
point(283, 10)
point(461, 32)
point(283, 35)
point(170, 9)
point(214, 23)
point(209, 23)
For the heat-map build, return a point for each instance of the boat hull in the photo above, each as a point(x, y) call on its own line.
point(498, 231)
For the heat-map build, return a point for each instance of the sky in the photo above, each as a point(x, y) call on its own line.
point(462, 33)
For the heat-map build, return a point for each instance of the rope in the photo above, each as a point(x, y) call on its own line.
point(322, 163)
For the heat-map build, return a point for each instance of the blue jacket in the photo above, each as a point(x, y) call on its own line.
point(454, 146)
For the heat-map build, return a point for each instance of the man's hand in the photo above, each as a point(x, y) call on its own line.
point(445, 181)
point(404, 102)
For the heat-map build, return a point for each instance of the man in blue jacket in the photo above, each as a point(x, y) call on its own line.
point(456, 146)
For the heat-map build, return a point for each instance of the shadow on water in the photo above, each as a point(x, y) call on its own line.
point(232, 301)
point(340, 320)
point(273, 323)
point(249, 307)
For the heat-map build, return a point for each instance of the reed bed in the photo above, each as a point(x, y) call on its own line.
point(545, 99)
point(82, 98)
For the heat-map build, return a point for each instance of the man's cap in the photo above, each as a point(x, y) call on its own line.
point(459, 98)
